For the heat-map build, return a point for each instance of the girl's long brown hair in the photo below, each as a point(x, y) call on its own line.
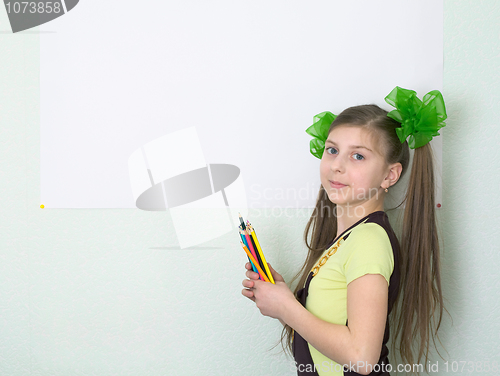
point(417, 315)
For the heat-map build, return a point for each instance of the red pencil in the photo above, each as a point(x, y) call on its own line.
point(254, 261)
point(250, 245)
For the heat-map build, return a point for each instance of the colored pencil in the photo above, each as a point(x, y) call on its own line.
point(250, 245)
point(259, 249)
point(249, 239)
point(257, 253)
point(245, 241)
point(260, 271)
point(243, 227)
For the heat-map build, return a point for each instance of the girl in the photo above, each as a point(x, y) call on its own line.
point(336, 322)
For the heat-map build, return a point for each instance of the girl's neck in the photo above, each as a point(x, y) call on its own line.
point(349, 215)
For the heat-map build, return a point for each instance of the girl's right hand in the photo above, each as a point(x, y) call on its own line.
point(249, 283)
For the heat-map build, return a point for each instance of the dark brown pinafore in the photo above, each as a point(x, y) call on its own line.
point(300, 346)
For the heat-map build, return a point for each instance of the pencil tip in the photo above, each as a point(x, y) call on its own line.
point(242, 222)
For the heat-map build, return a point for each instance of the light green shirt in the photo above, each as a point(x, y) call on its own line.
point(367, 250)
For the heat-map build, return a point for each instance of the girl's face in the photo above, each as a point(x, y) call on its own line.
point(352, 170)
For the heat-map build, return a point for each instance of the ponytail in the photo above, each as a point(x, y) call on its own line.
point(421, 298)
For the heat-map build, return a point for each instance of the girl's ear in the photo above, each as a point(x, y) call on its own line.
point(393, 176)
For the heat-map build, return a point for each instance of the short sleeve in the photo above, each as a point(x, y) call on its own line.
point(370, 252)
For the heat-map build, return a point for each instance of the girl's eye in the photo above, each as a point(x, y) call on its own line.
point(358, 157)
point(331, 150)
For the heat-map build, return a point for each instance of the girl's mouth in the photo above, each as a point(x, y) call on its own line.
point(336, 184)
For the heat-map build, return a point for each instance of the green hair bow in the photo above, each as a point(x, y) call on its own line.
point(420, 120)
point(319, 130)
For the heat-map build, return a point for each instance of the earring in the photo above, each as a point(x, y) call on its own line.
point(386, 190)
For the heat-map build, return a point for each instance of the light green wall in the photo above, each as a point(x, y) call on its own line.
point(104, 292)
point(471, 177)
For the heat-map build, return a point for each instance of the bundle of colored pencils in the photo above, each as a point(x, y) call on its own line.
point(254, 252)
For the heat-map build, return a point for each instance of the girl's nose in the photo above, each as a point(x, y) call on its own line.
point(338, 164)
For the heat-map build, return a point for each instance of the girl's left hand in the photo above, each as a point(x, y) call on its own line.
point(271, 299)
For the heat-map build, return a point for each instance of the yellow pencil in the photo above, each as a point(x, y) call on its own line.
point(261, 272)
point(261, 254)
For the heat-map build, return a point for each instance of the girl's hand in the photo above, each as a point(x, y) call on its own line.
point(249, 283)
point(271, 299)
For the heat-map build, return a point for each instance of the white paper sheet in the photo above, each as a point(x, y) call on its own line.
point(249, 76)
